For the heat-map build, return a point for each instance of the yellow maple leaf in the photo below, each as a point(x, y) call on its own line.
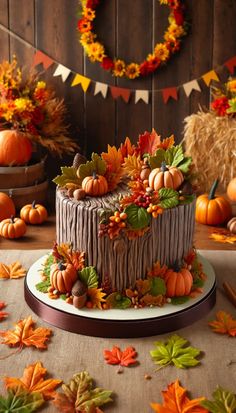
point(14, 270)
point(96, 296)
point(132, 166)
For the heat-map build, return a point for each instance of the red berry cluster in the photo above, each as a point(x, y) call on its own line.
point(143, 201)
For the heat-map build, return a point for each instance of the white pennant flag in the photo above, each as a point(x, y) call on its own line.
point(101, 88)
point(62, 71)
point(142, 94)
point(190, 86)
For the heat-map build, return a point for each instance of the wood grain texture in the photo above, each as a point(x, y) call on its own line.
point(4, 38)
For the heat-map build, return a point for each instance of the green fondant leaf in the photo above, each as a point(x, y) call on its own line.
point(224, 402)
point(20, 402)
point(47, 266)
point(68, 175)
point(188, 199)
point(88, 276)
point(43, 286)
point(174, 155)
point(137, 217)
point(63, 297)
point(97, 164)
point(179, 300)
point(198, 283)
point(185, 164)
point(156, 160)
point(158, 286)
point(116, 300)
point(169, 198)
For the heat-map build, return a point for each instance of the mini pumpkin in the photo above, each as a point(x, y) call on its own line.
point(231, 225)
point(15, 148)
point(33, 213)
point(231, 190)
point(178, 282)
point(12, 228)
point(95, 185)
point(212, 209)
point(63, 276)
point(7, 207)
point(165, 177)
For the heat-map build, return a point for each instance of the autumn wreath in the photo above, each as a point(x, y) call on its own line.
point(161, 53)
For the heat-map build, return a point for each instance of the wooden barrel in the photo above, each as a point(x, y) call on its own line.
point(22, 176)
point(28, 194)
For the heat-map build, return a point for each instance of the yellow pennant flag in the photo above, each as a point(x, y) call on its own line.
point(209, 76)
point(81, 80)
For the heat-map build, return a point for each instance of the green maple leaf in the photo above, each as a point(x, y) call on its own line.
point(68, 174)
point(224, 402)
point(169, 198)
point(20, 402)
point(89, 277)
point(175, 351)
point(174, 155)
point(97, 165)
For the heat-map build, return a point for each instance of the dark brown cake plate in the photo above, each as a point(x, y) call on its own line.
point(119, 323)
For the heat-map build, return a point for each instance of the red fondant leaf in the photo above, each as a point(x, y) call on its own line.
point(224, 324)
point(148, 142)
point(124, 358)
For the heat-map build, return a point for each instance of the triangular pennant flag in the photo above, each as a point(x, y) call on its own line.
point(40, 57)
point(118, 91)
point(190, 86)
point(81, 80)
point(170, 92)
point(101, 88)
point(142, 95)
point(231, 64)
point(62, 71)
point(209, 76)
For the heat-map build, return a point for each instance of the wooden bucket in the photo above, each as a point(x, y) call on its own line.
point(22, 176)
point(28, 194)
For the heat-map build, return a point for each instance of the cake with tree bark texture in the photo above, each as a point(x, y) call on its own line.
point(125, 223)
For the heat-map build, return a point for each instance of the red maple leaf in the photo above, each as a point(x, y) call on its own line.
point(123, 358)
point(148, 142)
point(3, 314)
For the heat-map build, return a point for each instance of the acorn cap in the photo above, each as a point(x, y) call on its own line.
point(79, 289)
point(78, 160)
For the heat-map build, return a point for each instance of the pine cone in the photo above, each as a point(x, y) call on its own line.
point(78, 160)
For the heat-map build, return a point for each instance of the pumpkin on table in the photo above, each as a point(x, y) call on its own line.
point(7, 207)
point(95, 185)
point(165, 177)
point(63, 277)
point(231, 190)
point(15, 148)
point(212, 209)
point(33, 213)
point(12, 228)
point(178, 282)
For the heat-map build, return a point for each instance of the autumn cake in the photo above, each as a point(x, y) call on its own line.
point(125, 223)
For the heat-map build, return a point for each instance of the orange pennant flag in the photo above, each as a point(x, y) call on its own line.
point(120, 92)
point(170, 92)
point(81, 80)
point(42, 58)
point(209, 76)
point(231, 64)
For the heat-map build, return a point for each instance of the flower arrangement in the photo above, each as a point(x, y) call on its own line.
point(162, 52)
point(29, 106)
point(224, 103)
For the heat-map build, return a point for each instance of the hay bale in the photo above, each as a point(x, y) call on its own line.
point(211, 142)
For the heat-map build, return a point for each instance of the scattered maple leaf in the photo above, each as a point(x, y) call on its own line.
point(224, 324)
point(148, 142)
point(96, 296)
point(80, 396)
point(176, 401)
point(3, 314)
point(14, 270)
point(223, 236)
point(224, 402)
point(123, 358)
point(132, 166)
point(20, 402)
point(33, 381)
point(175, 351)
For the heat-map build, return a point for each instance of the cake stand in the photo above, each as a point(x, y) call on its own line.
point(119, 323)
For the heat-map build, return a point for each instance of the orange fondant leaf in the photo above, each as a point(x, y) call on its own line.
point(155, 300)
point(157, 270)
point(3, 314)
point(33, 381)
point(96, 296)
point(124, 358)
point(176, 401)
point(224, 324)
point(14, 270)
point(148, 142)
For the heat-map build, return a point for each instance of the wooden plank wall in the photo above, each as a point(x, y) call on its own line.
point(129, 32)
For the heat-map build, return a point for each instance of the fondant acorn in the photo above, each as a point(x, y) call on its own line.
point(79, 294)
point(79, 194)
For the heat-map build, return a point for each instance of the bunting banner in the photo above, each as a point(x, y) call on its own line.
point(168, 93)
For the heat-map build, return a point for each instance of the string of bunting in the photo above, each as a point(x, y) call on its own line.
point(116, 92)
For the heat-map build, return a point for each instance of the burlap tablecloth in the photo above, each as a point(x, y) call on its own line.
point(70, 353)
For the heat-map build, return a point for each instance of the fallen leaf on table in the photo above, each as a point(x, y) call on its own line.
point(3, 314)
point(223, 236)
point(176, 401)
point(20, 402)
point(25, 335)
point(14, 270)
point(124, 358)
point(224, 324)
point(175, 351)
point(33, 381)
point(224, 402)
point(80, 396)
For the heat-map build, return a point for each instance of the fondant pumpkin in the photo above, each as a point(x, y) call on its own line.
point(62, 277)
point(15, 148)
point(231, 225)
point(33, 213)
point(231, 189)
point(212, 209)
point(12, 228)
point(95, 185)
point(178, 283)
point(7, 207)
point(165, 177)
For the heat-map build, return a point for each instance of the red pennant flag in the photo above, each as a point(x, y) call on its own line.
point(118, 91)
point(230, 64)
point(170, 92)
point(40, 57)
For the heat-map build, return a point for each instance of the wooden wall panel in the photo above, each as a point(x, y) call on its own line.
point(4, 38)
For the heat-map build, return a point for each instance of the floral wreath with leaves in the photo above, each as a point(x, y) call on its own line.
point(161, 53)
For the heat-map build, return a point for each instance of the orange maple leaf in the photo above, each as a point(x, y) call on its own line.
point(167, 143)
point(124, 358)
point(25, 335)
point(223, 236)
point(126, 148)
point(113, 159)
point(157, 270)
point(33, 381)
point(14, 270)
point(176, 401)
point(225, 324)
point(132, 166)
point(3, 314)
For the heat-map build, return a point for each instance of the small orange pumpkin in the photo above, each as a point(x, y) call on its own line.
point(63, 276)
point(15, 148)
point(95, 185)
point(7, 207)
point(231, 225)
point(231, 190)
point(165, 177)
point(212, 209)
point(178, 283)
point(33, 213)
point(12, 228)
